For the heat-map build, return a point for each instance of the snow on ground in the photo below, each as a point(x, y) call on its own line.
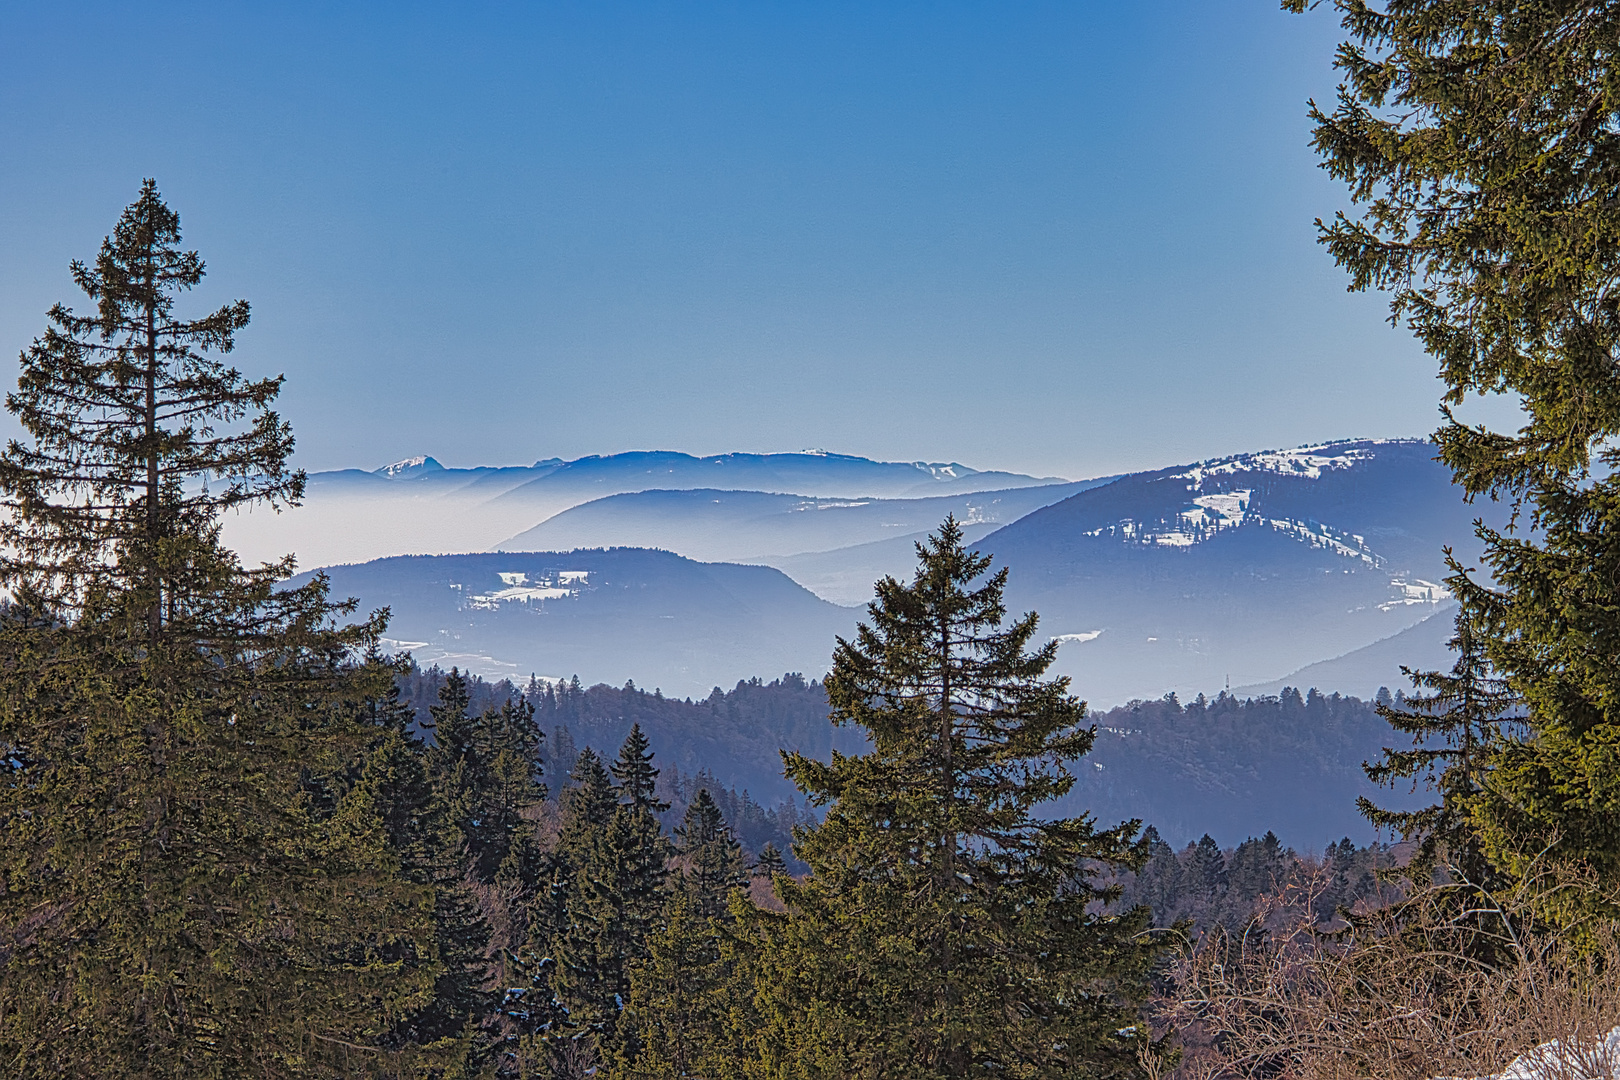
point(1309, 462)
point(1415, 591)
point(520, 590)
point(1587, 1059)
point(1320, 536)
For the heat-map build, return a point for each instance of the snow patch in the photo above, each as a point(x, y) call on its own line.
point(944, 471)
point(1213, 514)
point(520, 590)
point(1308, 462)
point(1415, 591)
point(1320, 536)
point(1589, 1059)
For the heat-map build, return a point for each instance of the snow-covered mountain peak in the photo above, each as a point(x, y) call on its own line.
point(1304, 462)
point(408, 467)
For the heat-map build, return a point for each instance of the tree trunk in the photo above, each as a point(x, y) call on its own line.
point(154, 611)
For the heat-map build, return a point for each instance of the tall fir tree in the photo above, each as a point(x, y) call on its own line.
point(1479, 141)
point(612, 860)
point(136, 442)
point(637, 779)
point(944, 930)
point(457, 845)
point(588, 976)
point(682, 1002)
point(640, 850)
point(193, 888)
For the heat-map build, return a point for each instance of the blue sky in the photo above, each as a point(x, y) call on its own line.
point(1068, 238)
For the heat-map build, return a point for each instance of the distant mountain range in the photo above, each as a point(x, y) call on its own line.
point(1236, 571)
point(418, 506)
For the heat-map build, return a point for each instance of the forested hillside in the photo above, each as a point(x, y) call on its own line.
point(1231, 767)
point(1240, 767)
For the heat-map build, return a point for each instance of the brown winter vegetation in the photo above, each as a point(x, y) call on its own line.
point(1447, 982)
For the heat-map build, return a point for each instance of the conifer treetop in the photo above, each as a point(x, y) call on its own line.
point(634, 771)
point(958, 707)
point(139, 434)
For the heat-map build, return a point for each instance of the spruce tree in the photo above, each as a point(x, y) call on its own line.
point(770, 862)
point(1456, 722)
point(677, 1017)
point(945, 930)
point(193, 886)
point(637, 779)
point(640, 850)
point(588, 977)
point(1479, 141)
point(611, 863)
point(712, 857)
point(138, 441)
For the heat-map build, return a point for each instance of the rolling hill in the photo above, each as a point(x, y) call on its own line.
point(754, 526)
point(606, 616)
point(1236, 571)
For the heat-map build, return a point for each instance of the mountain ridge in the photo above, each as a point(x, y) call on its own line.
point(354, 515)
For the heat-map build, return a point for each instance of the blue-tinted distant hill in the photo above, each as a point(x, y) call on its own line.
point(752, 526)
point(419, 507)
point(1246, 568)
point(607, 616)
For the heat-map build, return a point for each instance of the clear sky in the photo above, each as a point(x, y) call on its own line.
point(1070, 238)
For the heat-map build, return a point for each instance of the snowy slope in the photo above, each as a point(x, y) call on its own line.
point(1237, 571)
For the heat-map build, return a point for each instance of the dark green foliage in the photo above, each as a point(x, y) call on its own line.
point(712, 862)
point(944, 930)
point(126, 409)
point(1454, 726)
point(196, 884)
point(1227, 765)
point(1206, 887)
point(770, 862)
point(677, 1017)
point(1480, 141)
point(638, 780)
point(743, 727)
point(487, 768)
point(611, 863)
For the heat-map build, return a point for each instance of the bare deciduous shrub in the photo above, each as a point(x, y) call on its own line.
point(1446, 982)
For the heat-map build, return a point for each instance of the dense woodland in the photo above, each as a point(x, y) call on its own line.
point(571, 718)
point(1224, 765)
